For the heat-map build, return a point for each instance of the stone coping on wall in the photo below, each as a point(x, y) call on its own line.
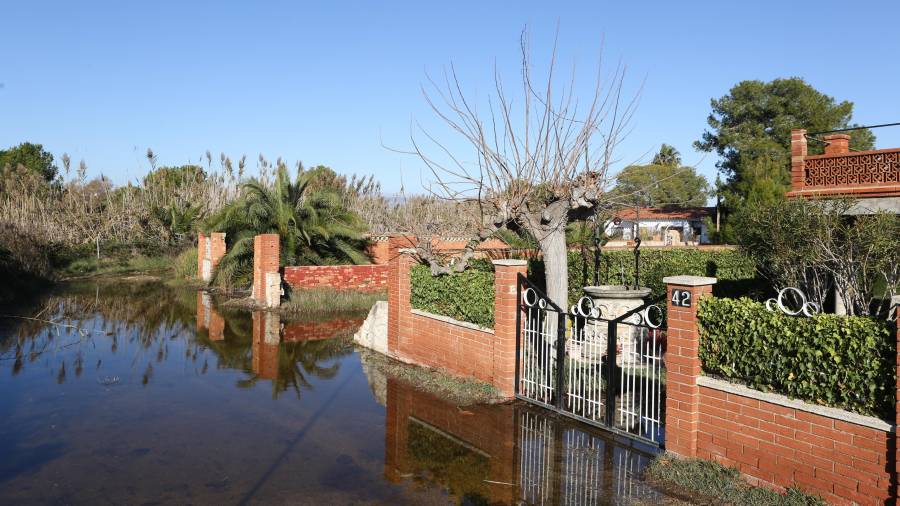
point(451, 321)
point(781, 400)
point(689, 280)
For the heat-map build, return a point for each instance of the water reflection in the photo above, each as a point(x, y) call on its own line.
point(507, 454)
point(139, 393)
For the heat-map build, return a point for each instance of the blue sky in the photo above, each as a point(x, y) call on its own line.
point(329, 82)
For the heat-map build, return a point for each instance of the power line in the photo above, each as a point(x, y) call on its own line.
point(854, 128)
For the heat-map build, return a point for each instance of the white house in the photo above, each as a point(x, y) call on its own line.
point(661, 226)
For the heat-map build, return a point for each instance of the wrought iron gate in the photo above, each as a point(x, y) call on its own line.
point(604, 371)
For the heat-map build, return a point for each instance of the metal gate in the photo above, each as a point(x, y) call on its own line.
point(604, 371)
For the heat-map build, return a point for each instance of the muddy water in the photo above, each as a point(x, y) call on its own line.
point(141, 394)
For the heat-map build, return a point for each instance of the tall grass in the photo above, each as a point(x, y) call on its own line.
point(326, 301)
point(186, 264)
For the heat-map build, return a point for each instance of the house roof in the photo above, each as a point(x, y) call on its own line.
point(459, 243)
point(666, 213)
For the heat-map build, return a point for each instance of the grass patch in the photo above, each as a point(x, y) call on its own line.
point(91, 266)
point(706, 482)
point(462, 391)
point(186, 264)
point(324, 301)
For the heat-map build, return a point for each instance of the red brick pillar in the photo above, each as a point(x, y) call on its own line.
point(838, 144)
point(798, 154)
point(266, 262)
point(216, 248)
point(201, 254)
point(683, 362)
point(399, 315)
point(506, 306)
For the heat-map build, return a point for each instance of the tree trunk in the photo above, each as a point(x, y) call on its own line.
point(556, 265)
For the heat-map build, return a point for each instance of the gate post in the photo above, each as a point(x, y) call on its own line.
point(266, 262)
point(683, 366)
point(506, 323)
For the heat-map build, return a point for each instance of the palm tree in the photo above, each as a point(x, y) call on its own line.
point(314, 226)
point(667, 155)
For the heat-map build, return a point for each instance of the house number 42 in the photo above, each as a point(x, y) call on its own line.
point(681, 298)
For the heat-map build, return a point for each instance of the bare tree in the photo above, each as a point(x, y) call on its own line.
point(541, 158)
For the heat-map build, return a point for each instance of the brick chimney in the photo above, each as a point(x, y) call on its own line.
point(838, 144)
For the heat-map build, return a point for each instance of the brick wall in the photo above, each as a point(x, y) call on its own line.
point(781, 446)
point(774, 441)
point(364, 278)
point(489, 429)
point(458, 348)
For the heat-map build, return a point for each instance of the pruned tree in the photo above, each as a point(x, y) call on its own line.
point(538, 159)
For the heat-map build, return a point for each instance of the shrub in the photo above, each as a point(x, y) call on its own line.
point(186, 264)
point(736, 272)
point(839, 361)
point(467, 296)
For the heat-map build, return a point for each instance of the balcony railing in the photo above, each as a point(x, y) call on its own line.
point(865, 173)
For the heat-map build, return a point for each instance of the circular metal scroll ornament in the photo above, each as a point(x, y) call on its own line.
point(807, 307)
point(529, 297)
point(644, 317)
point(648, 321)
point(585, 307)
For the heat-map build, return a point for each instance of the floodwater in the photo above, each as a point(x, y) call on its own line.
point(137, 393)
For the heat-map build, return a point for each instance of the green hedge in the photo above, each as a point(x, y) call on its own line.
point(839, 361)
point(735, 271)
point(467, 296)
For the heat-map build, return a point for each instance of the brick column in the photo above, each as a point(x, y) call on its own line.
point(201, 254)
point(506, 306)
point(683, 363)
point(798, 154)
point(266, 262)
point(838, 144)
point(399, 308)
point(216, 248)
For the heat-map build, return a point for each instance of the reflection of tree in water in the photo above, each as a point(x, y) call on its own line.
point(296, 362)
point(78, 318)
point(74, 317)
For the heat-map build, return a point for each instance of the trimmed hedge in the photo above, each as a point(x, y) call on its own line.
point(839, 361)
point(736, 272)
point(467, 296)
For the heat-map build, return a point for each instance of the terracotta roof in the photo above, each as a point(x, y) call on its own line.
point(667, 213)
point(458, 243)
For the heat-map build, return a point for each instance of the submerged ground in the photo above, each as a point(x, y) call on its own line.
point(133, 392)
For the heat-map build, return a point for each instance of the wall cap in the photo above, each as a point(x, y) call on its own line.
point(510, 262)
point(447, 319)
point(689, 280)
point(336, 266)
point(781, 400)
